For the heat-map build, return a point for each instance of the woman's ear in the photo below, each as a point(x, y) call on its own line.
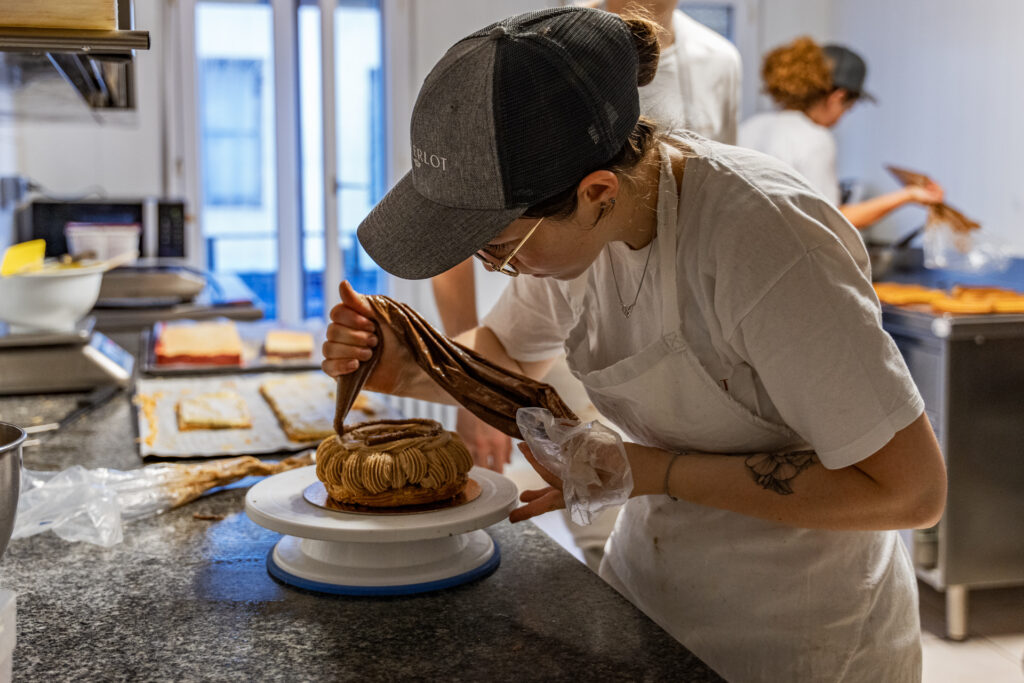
point(839, 99)
point(597, 189)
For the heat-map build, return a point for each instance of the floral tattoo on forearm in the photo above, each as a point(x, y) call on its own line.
point(775, 471)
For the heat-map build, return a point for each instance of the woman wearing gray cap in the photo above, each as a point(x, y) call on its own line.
point(714, 306)
point(815, 87)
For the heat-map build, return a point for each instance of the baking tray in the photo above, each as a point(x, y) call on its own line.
point(253, 360)
point(265, 437)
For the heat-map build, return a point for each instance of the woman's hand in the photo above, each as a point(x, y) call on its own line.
point(490, 448)
point(932, 193)
point(538, 501)
point(352, 338)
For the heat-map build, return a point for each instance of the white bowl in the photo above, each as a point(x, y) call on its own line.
point(53, 299)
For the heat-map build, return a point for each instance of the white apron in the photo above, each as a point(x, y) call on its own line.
point(756, 600)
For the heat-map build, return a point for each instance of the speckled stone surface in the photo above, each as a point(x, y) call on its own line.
point(183, 599)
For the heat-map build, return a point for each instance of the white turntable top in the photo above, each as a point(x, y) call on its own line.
point(277, 503)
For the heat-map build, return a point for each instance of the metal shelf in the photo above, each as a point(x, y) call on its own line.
point(77, 41)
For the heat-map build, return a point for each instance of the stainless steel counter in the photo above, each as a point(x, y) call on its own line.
point(970, 371)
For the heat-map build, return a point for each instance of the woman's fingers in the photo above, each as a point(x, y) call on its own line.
point(351, 335)
point(545, 474)
point(546, 500)
point(343, 314)
point(354, 300)
point(339, 333)
point(339, 351)
point(336, 368)
point(533, 494)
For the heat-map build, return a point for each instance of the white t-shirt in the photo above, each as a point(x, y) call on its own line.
point(793, 137)
point(774, 297)
point(697, 85)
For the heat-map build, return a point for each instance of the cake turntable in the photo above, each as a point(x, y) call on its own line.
point(351, 553)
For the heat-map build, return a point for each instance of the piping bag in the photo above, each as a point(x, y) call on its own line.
point(590, 459)
point(487, 390)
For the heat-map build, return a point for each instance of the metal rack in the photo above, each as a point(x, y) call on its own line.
point(97, 64)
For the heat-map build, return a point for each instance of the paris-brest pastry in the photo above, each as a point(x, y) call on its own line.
point(393, 463)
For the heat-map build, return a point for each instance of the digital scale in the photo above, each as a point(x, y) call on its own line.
point(77, 360)
point(354, 553)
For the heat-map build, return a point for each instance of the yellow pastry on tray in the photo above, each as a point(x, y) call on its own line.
point(1015, 305)
point(948, 304)
point(287, 344)
point(393, 463)
point(899, 294)
point(303, 404)
point(203, 343)
point(219, 410)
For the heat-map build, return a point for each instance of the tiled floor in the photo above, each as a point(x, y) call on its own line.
point(994, 652)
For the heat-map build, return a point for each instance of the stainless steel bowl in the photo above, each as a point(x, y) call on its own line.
point(10, 479)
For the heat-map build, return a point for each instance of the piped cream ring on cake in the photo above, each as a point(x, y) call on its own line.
point(389, 463)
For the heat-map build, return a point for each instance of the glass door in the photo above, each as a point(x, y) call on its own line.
point(237, 151)
point(344, 88)
point(280, 97)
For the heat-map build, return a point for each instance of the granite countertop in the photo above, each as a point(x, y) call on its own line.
point(186, 599)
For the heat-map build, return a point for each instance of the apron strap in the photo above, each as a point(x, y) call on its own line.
point(668, 227)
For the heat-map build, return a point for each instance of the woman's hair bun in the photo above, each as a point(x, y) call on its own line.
point(645, 39)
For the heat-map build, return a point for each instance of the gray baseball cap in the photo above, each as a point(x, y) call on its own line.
point(848, 71)
point(512, 115)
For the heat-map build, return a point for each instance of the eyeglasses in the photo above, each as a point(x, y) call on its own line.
point(505, 267)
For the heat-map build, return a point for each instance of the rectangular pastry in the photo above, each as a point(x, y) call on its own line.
point(205, 343)
point(303, 403)
point(219, 410)
point(280, 344)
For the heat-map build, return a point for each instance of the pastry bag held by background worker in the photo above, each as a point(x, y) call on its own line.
point(714, 306)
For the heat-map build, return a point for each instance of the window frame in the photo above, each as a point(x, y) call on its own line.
point(183, 134)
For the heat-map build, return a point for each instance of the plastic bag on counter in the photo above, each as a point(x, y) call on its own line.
point(589, 458)
point(80, 504)
point(953, 241)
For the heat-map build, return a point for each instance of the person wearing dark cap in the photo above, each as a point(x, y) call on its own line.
point(815, 87)
point(715, 307)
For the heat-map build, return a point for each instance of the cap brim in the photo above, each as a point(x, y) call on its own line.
point(867, 97)
point(414, 238)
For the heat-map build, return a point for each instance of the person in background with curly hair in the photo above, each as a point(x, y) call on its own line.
point(815, 87)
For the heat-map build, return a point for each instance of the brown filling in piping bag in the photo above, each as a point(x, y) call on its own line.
point(487, 390)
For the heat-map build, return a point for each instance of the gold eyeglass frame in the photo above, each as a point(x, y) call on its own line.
point(505, 267)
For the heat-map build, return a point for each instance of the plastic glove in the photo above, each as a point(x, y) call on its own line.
point(589, 458)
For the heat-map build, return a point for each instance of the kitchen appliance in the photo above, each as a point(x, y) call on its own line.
point(885, 257)
point(79, 359)
point(149, 285)
point(11, 438)
point(969, 371)
point(162, 221)
point(350, 553)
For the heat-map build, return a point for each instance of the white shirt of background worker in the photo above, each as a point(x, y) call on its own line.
point(815, 87)
point(697, 88)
